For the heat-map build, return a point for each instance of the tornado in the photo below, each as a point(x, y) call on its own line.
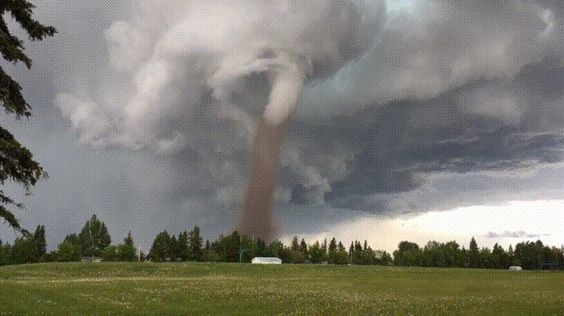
point(257, 218)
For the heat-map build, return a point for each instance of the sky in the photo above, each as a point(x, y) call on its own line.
point(418, 120)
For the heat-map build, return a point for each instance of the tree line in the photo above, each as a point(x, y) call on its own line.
point(529, 255)
point(94, 241)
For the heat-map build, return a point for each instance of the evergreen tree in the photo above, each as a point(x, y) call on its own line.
point(161, 248)
point(40, 241)
point(195, 244)
point(295, 245)
point(303, 247)
point(128, 241)
point(127, 251)
point(332, 251)
point(324, 248)
point(474, 254)
point(499, 258)
point(16, 162)
point(228, 247)
point(362, 257)
point(341, 255)
point(174, 250)
point(183, 247)
point(73, 238)
point(94, 237)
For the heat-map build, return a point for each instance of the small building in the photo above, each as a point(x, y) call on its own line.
point(91, 259)
point(515, 268)
point(266, 260)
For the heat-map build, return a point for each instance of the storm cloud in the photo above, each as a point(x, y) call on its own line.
point(442, 86)
point(428, 105)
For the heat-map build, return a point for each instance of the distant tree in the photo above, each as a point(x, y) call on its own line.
point(110, 253)
point(341, 255)
point(261, 248)
point(127, 251)
point(210, 255)
point(324, 248)
point(288, 255)
point(70, 249)
point(161, 248)
point(5, 254)
point(454, 256)
point(73, 238)
point(183, 247)
point(40, 241)
point(227, 247)
point(195, 244)
point(250, 247)
point(360, 256)
point(275, 249)
point(499, 259)
point(383, 258)
point(486, 258)
point(50, 256)
point(128, 240)
point(24, 250)
point(332, 251)
point(530, 255)
point(295, 245)
point(509, 259)
point(465, 258)
point(297, 257)
point(474, 254)
point(408, 254)
point(174, 249)
point(316, 253)
point(16, 161)
point(94, 237)
point(303, 248)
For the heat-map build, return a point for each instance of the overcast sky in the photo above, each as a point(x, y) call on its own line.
point(419, 120)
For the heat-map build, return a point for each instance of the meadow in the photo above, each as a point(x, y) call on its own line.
point(242, 289)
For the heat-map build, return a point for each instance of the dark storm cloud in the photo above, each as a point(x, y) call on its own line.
point(452, 87)
point(390, 148)
point(451, 99)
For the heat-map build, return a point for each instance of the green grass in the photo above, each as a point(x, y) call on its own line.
point(188, 288)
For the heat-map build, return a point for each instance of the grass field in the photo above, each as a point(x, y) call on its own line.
point(185, 288)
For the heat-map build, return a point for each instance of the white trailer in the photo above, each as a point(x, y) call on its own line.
point(266, 260)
